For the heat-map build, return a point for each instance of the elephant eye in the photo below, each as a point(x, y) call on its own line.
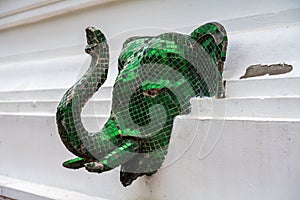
point(152, 93)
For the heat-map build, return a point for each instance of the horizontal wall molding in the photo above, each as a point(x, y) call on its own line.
point(48, 9)
point(92, 107)
point(19, 189)
point(92, 122)
point(76, 50)
point(104, 93)
point(272, 87)
point(263, 21)
point(289, 17)
point(86, 118)
point(29, 5)
point(254, 22)
point(253, 107)
point(44, 10)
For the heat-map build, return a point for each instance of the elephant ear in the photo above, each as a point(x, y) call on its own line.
point(213, 38)
point(130, 46)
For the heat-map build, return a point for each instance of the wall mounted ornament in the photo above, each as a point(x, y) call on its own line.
point(157, 77)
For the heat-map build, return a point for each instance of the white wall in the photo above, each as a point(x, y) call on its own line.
point(41, 55)
point(64, 35)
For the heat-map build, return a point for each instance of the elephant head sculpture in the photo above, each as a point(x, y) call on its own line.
point(157, 77)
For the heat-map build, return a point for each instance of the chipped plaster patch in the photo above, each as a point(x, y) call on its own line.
point(261, 70)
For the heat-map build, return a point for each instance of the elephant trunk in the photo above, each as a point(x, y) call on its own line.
point(68, 115)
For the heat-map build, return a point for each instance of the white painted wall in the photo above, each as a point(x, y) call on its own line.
point(41, 55)
point(250, 160)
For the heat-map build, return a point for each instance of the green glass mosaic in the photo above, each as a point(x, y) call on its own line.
point(157, 77)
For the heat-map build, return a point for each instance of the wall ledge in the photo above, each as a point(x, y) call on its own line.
point(43, 10)
point(19, 189)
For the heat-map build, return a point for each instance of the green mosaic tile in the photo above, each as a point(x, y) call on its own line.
point(157, 77)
